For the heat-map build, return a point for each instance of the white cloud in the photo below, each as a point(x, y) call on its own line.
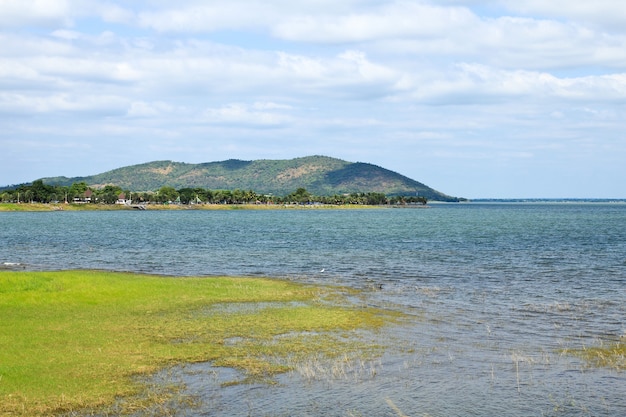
point(350, 74)
point(153, 109)
point(46, 13)
point(200, 16)
point(205, 17)
point(68, 35)
point(367, 69)
point(511, 42)
point(242, 115)
point(114, 13)
point(15, 47)
point(533, 43)
point(268, 105)
point(602, 13)
point(481, 84)
point(395, 20)
point(302, 66)
point(66, 70)
point(61, 102)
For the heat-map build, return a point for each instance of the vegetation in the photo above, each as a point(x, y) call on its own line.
point(611, 355)
point(81, 193)
point(320, 175)
point(75, 340)
point(12, 207)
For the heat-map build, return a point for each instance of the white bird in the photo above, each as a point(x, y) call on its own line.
point(322, 270)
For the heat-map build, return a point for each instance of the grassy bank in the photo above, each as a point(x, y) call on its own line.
point(12, 207)
point(9, 207)
point(76, 339)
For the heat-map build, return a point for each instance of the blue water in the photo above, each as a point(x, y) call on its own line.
point(498, 291)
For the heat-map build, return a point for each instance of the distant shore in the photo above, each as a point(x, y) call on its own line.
point(35, 207)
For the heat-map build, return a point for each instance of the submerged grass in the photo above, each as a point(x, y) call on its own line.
point(611, 355)
point(74, 340)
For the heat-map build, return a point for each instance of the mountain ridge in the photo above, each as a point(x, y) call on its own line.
point(320, 175)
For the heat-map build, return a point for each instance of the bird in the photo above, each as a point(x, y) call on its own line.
point(323, 270)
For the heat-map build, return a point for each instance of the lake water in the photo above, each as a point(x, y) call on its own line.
point(498, 291)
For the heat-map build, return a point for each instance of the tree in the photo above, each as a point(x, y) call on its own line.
point(41, 191)
point(223, 197)
point(375, 199)
point(109, 194)
point(238, 196)
point(187, 195)
point(28, 196)
point(76, 190)
point(301, 195)
point(167, 194)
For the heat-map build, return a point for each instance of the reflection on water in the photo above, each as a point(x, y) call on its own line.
point(496, 294)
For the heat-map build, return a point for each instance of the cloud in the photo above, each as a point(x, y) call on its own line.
point(349, 75)
point(61, 102)
point(39, 13)
point(198, 16)
point(600, 13)
point(243, 115)
point(68, 35)
point(15, 47)
point(507, 41)
point(113, 13)
point(268, 105)
point(152, 109)
point(205, 17)
point(395, 20)
point(476, 83)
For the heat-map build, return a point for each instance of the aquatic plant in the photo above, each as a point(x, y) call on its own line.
point(610, 355)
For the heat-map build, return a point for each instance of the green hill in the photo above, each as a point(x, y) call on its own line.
point(320, 175)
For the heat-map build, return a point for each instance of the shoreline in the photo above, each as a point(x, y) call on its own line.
point(45, 207)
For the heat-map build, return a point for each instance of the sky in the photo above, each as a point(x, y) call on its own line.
point(477, 99)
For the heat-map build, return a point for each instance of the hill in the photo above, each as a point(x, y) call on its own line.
point(320, 175)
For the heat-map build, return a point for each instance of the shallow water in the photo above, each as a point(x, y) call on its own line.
point(497, 292)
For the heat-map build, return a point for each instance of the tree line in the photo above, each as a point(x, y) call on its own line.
point(80, 192)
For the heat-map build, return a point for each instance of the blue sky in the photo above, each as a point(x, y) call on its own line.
point(477, 99)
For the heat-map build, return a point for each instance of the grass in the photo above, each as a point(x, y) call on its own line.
point(610, 355)
point(74, 340)
point(11, 207)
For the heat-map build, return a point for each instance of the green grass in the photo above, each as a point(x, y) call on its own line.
point(26, 207)
point(11, 207)
point(73, 340)
point(61, 206)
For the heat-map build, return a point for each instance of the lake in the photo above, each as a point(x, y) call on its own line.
point(498, 292)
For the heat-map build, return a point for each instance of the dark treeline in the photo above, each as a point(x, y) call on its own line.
point(81, 193)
